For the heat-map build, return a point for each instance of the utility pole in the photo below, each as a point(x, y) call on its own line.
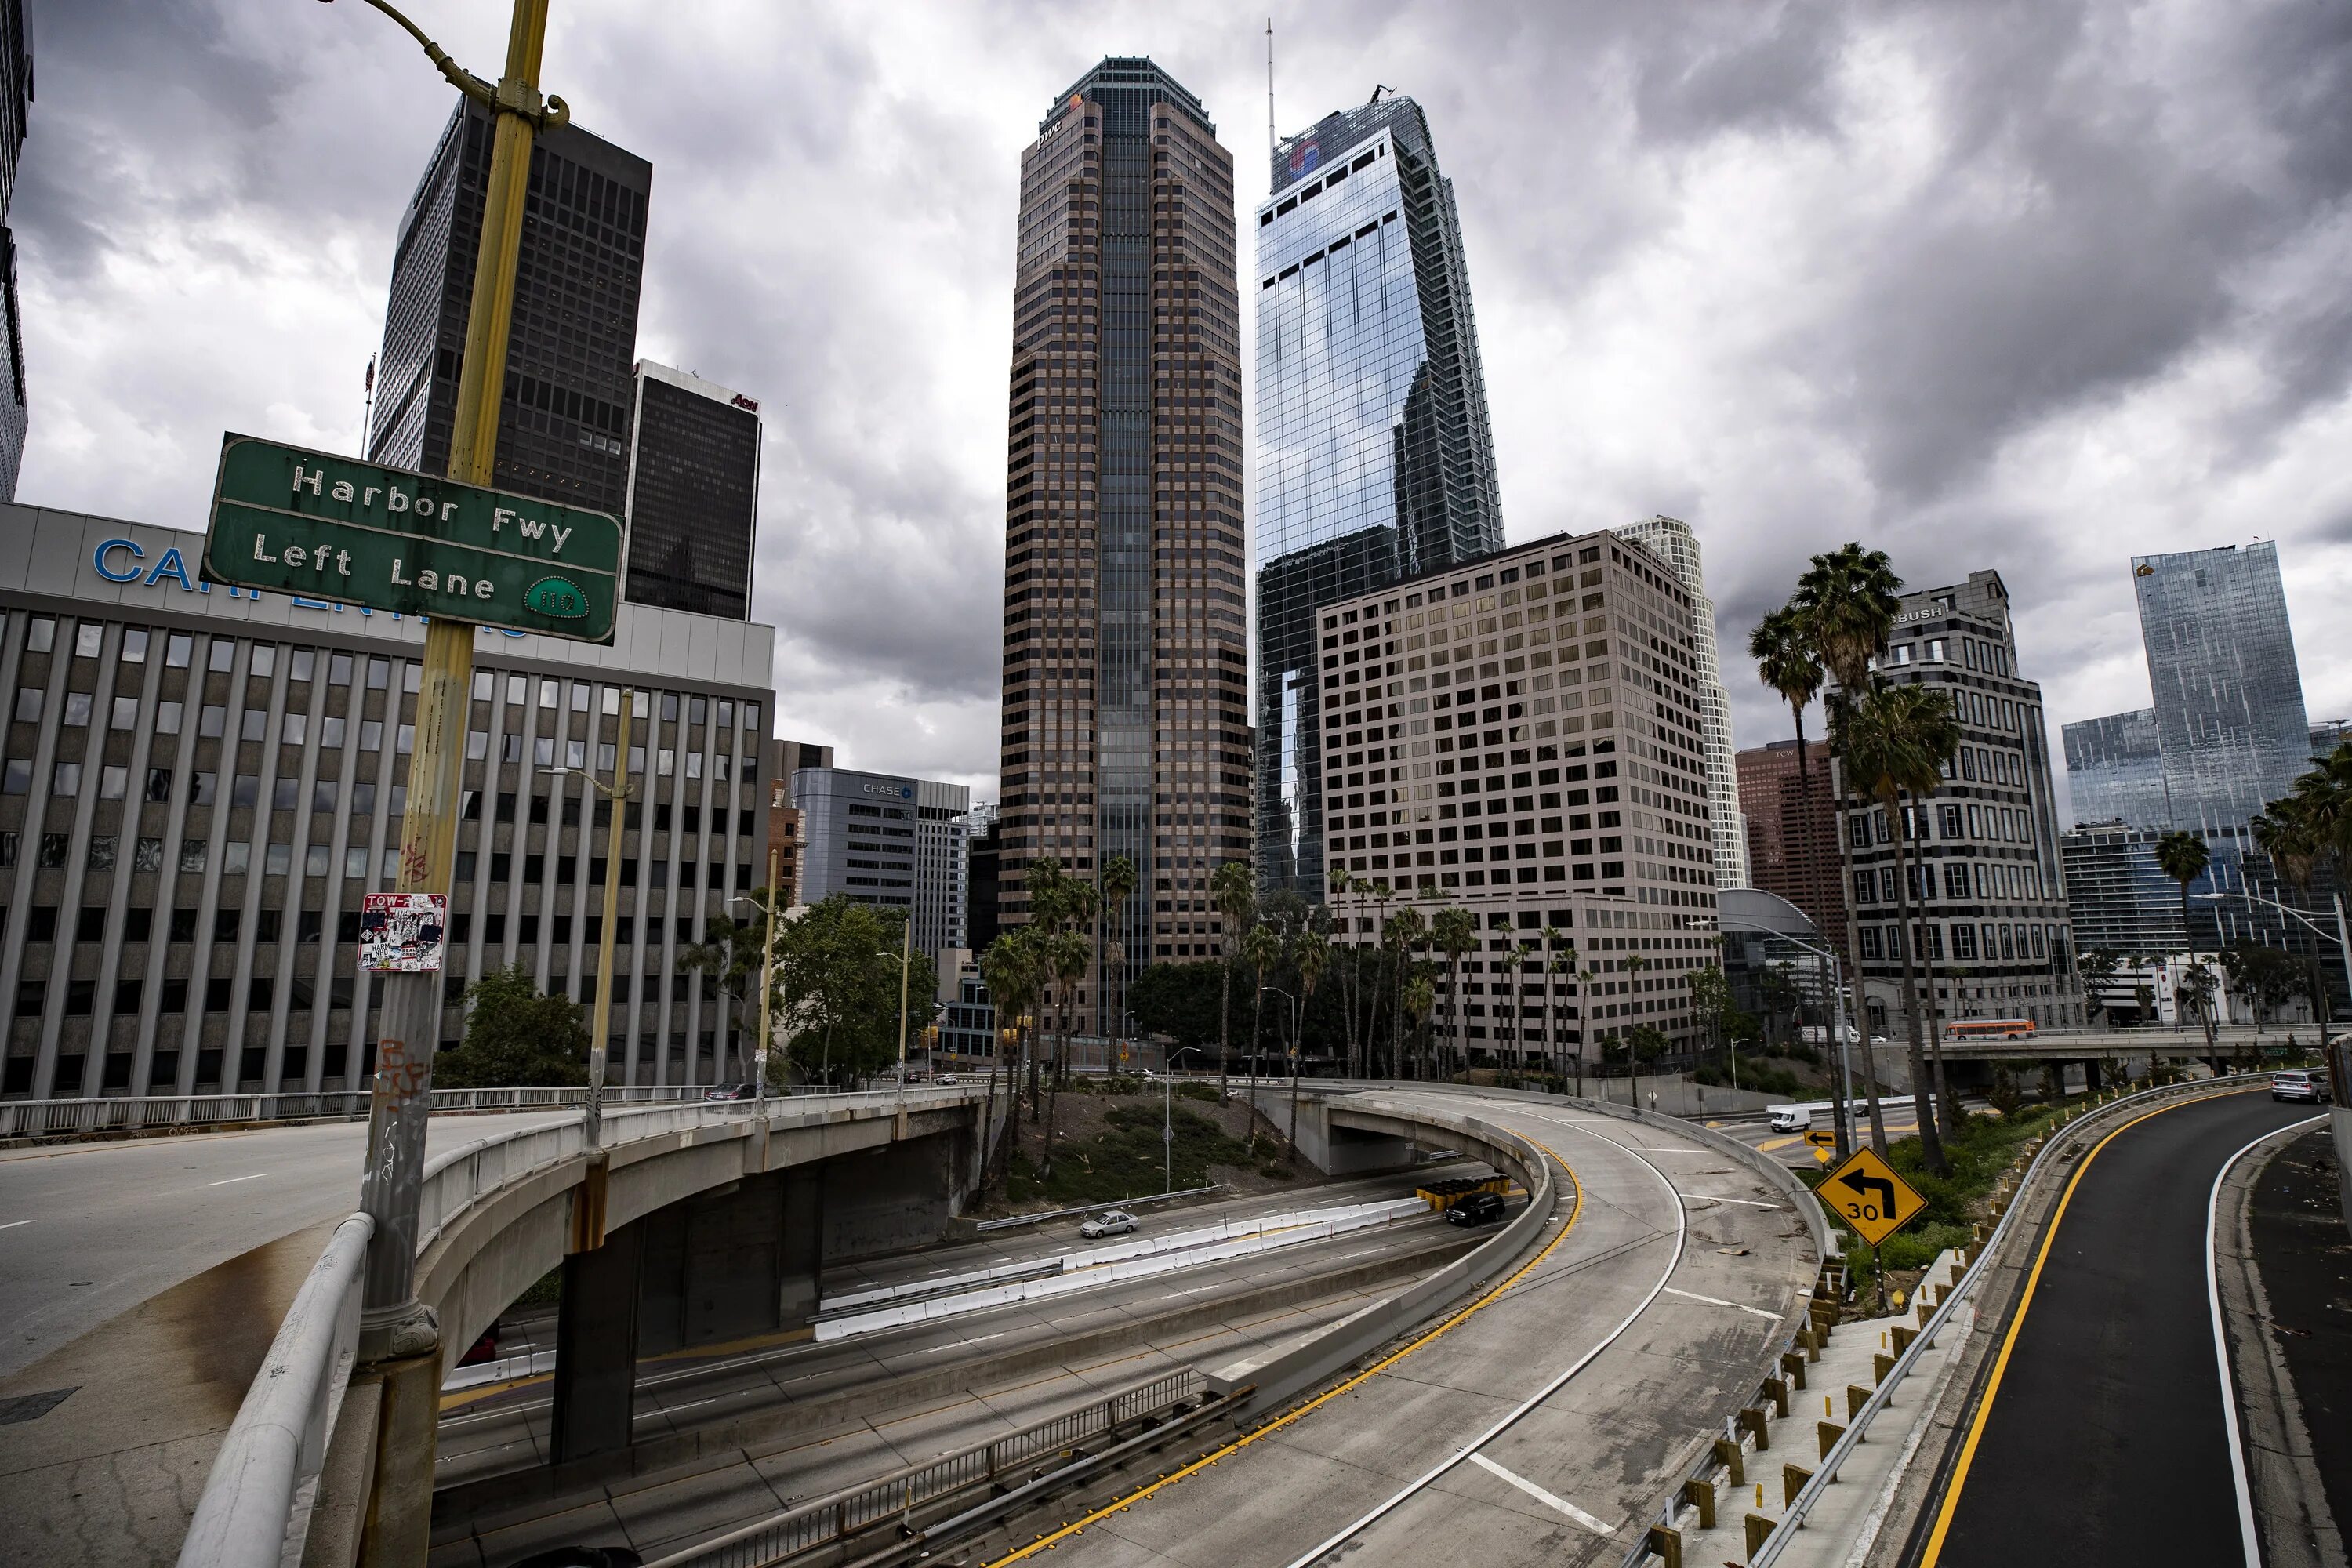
point(400, 1339)
point(602, 1027)
point(767, 990)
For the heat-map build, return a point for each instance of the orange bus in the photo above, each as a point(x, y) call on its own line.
point(1990, 1029)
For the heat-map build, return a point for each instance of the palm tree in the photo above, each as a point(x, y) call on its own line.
point(1379, 890)
point(1560, 957)
point(1415, 998)
point(1067, 955)
point(1232, 894)
point(1454, 932)
point(1405, 932)
point(1788, 662)
point(1891, 740)
point(1342, 884)
point(2290, 831)
point(1118, 886)
point(1516, 962)
point(1847, 602)
point(1011, 968)
point(1313, 952)
point(1635, 965)
point(2183, 858)
point(1262, 950)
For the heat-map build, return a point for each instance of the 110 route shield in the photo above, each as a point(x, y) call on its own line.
point(326, 527)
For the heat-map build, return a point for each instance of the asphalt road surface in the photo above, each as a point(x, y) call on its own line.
point(1533, 1429)
point(2103, 1439)
point(88, 1231)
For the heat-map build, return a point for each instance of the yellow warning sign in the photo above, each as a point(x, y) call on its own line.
point(1867, 1194)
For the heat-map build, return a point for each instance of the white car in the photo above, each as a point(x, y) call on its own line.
point(1118, 1221)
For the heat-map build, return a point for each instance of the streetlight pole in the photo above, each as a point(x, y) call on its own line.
point(906, 969)
point(400, 1339)
point(767, 990)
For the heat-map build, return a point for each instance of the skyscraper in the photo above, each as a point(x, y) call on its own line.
point(563, 422)
point(1374, 454)
point(16, 98)
point(1671, 541)
point(2229, 720)
point(2115, 770)
point(1793, 842)
point(1988, 921)
point(693, 494)
point(1125, 725)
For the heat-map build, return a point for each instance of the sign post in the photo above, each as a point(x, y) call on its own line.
point(1874, 1201)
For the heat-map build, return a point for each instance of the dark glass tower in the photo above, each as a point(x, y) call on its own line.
point(563, 425)
point(16, 98)
point(1125, 722)
point(694, 495)
point(1375, 456)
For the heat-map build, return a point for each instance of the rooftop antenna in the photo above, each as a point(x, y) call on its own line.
point(1272, 142)
point(1379, 88)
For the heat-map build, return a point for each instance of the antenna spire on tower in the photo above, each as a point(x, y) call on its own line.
point(1272, 141)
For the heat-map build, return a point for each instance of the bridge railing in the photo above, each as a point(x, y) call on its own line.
point(255, 1507)
point(33, 1117)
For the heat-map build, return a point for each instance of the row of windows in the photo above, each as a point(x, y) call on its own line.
point(1988, 941)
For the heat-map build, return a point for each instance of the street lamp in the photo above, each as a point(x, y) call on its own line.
point(1828, 955)
point(906, 966)
point(600, 1028)
point(767, 985)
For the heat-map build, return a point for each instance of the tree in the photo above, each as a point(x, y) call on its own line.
point(837, 973)
point(1559, 958)
point(2194, 995)
point(1788, 661)
point(1012, 967)
point(515, 1038)
point(2097, 968)
point(1641, 1043)
point(1262, 950)
point(1067, 954)
point(1342, 884)
point(1233, 896)
point(1181, 1000)
point(1893, 740)
point(1416, 1000)
point(1312, 951)
point(1717, 1009)
point(1848, 600)
point(1454, 932)
point(2183, 858)
point(1403, 934)
point(2264, 977)
point(729, 958)
point(1118, 887)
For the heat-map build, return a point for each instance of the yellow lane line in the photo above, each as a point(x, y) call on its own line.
point(1576, 1212)
point(2009, 1343)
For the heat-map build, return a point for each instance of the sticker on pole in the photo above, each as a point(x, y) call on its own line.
point(400, 933)
point(1867, 1194)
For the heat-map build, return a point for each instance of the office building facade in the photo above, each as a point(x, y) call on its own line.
point(693, 504)
point(563, 421)
point(1988, 931)
point(1792, 834)
point(889, 840)
point(785, 833)
point(2115, 770)
point(1671, 541)
point(982, 861)
point(1522, 737)
point(1125, 700)
point(2118, 897)
point(197, 784)
point(1375, 453)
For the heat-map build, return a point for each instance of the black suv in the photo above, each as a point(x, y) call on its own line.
point(1478, 1208)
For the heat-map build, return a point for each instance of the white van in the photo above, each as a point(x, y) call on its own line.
point(1790, 1118)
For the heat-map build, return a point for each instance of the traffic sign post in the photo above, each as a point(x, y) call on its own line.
point(1875, 1201)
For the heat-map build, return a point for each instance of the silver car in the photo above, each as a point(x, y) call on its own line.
point(1118, 1222)
point(2304, 1084)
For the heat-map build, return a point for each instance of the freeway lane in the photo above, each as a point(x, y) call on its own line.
point(2101, 1439)
point(97, 1228)
point(1681, 1269)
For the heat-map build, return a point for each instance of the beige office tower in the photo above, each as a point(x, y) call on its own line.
point(1126, 725)
point(1671, 541)
point(1520, 736)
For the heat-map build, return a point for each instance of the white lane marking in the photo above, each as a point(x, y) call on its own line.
point(14, 1223)
point(1543, 1497)
point(1647, 1149)
point(1745, 1203)
point(1373, 1515)
point(1717, 1302)
point(234, 1179)
point(2246, 1532)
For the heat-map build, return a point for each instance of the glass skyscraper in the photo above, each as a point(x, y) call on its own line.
point(1670, 538)
point(1375, 456)
point(2115, 770)
point(1126, 726)
point(2230, 719)
point(694, 494)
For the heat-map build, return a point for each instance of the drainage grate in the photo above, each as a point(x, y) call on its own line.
point(33, 1407)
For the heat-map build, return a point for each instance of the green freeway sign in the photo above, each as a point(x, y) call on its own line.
point(297, 521)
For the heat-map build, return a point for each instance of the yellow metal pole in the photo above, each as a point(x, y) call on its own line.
point(601, 1030)
point(400, 1338)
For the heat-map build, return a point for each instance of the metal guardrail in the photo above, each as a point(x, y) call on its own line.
point(27, 1118)
point(845, 1514)
point(255, 1508)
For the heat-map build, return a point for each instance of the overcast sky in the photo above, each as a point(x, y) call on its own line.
point(2032, 286)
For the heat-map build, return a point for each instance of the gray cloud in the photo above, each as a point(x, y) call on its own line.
point(2019, 285)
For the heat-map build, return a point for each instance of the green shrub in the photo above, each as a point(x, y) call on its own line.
point(1190, 1091)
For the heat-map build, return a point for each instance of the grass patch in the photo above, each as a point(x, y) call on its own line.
point(1125, 1160)
point(1761, 1078)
